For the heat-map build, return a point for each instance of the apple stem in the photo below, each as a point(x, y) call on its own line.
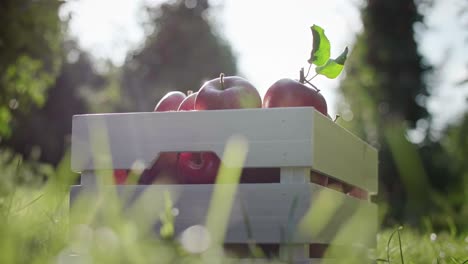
point(313, 77)
point(302, 78)
point(317, 89)
point(221, 80)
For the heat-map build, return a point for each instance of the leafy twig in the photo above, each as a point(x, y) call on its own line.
point(308, 70)
point(312, 77)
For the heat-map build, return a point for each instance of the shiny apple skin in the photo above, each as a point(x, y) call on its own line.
point(235, 93)
point(170, 102)
point(198, 167)
point(291, 93)
point(188, 104)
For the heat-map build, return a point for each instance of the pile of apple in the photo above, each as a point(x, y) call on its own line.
point(234, 92)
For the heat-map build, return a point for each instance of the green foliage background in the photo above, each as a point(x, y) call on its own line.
point(29, 46)
point(385, 92)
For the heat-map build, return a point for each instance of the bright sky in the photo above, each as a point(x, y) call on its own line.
point(272, 39)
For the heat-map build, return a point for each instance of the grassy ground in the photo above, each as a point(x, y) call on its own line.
point(35, 229)
point(421, 248)
point(37, 226)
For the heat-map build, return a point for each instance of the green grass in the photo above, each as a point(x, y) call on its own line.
point(37, 226)
point(35, 229)
point(422, 248)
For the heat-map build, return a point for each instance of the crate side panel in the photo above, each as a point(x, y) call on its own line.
point(272, 210)
point(275, 136)
point(340, 154)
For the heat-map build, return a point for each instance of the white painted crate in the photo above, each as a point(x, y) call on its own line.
point(297, 140)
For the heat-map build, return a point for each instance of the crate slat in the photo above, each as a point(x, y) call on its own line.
point(268, 208)
point(277, 137)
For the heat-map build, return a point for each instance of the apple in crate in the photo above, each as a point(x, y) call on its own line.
point(358, 193)
point(164, 169)
point(166, 163)
point(188, 104)
point(198, 167)
point(230, 92)
point(291, 93)
point(170, 102)
point(318, 178)
point(225, 92)
point(336, 185)
point(120, 176)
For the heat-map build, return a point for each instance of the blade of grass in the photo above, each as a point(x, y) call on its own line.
point(388, 243)
point(224, 192)
point(399, 244)
point(256, 251)
point(12, 195)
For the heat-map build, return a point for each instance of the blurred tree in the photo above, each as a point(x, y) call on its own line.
point(44, 133)
point(30, 38)
point(444, 159)
point(455, 144)
point(384, 87)
point(181, 51)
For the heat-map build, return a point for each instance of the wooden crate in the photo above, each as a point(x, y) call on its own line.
point(296, 140)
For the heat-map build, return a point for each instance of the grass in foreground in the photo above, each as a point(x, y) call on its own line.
point(35, 229)
point(421, 248)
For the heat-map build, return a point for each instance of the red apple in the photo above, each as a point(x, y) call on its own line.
point(164, 166)
point(318, 178)
point(167, 162)
point(120, 176)
point(188, 104)
point(291, 93)
point(358, 193)
point(170, 102)
point(230, 92)
point(335, 185)
point(198, 167)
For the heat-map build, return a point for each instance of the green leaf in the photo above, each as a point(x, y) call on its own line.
point(320, 47)
point(333, 67)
